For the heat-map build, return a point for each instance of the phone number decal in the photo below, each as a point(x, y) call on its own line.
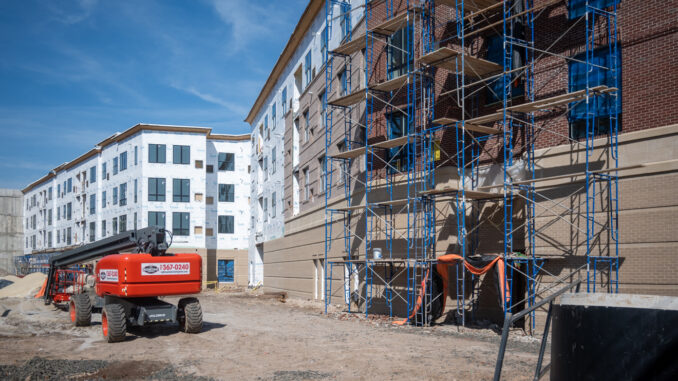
point(181, 268)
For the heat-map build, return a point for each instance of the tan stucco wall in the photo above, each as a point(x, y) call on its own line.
point(209, 265)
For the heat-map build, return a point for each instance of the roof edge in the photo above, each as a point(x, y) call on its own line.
point(300, 30)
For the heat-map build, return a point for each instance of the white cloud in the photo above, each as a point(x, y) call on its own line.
point(250, 21)
point(230, 106)
point(77, 11)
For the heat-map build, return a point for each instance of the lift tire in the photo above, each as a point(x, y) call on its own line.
point(81, 310)
point(189, 315)
point(114, 323)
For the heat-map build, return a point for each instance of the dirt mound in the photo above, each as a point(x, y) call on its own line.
point(22, 287)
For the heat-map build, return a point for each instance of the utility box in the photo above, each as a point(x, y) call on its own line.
point(614, 337)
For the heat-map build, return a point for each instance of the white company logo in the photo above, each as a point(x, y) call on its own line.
point(108, 275)
point(183, 268)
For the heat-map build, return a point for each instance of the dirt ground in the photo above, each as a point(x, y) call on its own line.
point(250, 337)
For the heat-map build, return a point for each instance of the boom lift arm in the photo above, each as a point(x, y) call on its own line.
point(147, 240)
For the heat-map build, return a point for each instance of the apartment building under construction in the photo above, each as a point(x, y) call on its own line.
point(458, 158)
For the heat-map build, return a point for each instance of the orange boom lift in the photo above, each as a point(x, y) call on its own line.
point(133, 272)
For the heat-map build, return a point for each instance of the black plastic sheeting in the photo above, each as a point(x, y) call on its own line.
point(614, 343)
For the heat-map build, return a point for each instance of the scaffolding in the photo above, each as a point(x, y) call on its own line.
point(390, 235)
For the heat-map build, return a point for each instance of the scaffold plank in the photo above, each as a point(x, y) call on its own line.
point(392, 84)
point(469, 126)
point(350, 154)
point(350, 99)
point(559, 100)
point(470, 194)
point(471, 5)
point(489, 118)
point(447, 58)
point(391, 143)
point(350, 47)
point(393, 24)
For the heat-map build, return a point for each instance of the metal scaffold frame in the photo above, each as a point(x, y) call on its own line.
point(406, 186)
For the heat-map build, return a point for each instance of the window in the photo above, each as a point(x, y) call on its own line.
point(321, 173)
point(136, 155)
point(68, 236)
point(69, 210)
point(103, 171)
point(58, 214)
point(307, 127)
point(156, 153)
point(399, 58)
point(226, 225)
point(265, 209)
point(226, 192)
point(156, 189)
point(123, 194)
point(341, 147)
point(49, 217)
point(226, 161)
point(181, 154)
point(49, 239)
point(273, 204)
point(343, 83)
point(103, 199)
point(322, 100)
point(92, 203)
point(397, 127)
point(156, 219)
point(58, 194)
point(345, 23)
point(307, 184)
point(181, 190)
point(495, 88)
point(123, 223)
point(92, 231)
point(70, 187)
point(58, 239)
point(115, 166)
point(283, 98)
point(307, 69)
point(273, 160)
point(265, 168)
point(135, 220)
point(123, 161)
point(577, 8)
point(323, 45)
point(136, 190)
point(92, 175)
point(266, 129)
point(49, 193)
point(103, 228)
point(602, 108)
point(115, 196)
point(181, 223)
point(273, 116)
point(115, 225)
point(209, 168)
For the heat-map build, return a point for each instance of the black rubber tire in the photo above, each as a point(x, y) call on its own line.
point(116, 322)
point(190, 315)
point(82, 305)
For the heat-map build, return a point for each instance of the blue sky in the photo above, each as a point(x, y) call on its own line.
point(73, 72)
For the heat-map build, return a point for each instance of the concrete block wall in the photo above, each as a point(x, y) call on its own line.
point(11, 227)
